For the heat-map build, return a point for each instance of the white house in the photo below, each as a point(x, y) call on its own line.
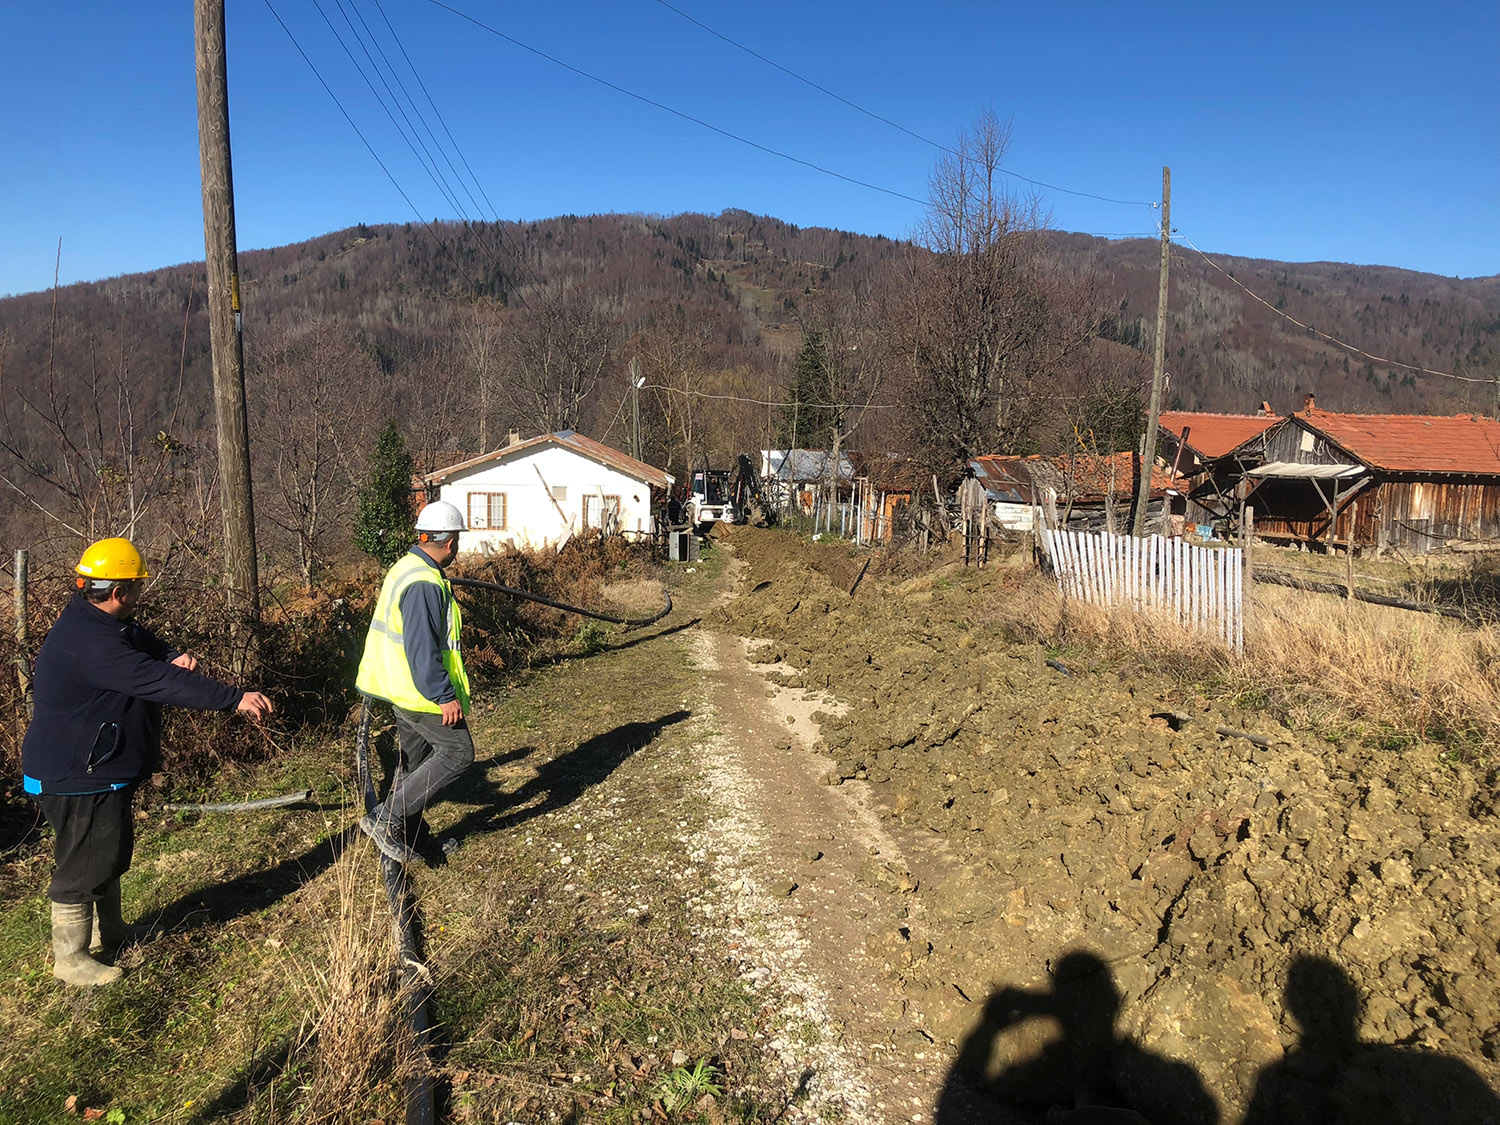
point(545, 490)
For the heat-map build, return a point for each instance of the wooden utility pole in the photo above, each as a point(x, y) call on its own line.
point(224, 308)
point(1153, 415)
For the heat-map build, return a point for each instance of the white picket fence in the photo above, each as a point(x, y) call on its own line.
point(1201, 588)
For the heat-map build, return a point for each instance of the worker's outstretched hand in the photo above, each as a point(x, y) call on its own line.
point(187, 661)
point(256, 705)
point(453, 713)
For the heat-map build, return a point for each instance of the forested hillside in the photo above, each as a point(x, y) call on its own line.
point(748, 332)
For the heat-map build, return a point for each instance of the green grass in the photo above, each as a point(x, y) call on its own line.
point(549, 1001)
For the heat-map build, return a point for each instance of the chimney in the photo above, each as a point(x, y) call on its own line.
point(1265, 408)
point(1308, 403)
point(513, 438)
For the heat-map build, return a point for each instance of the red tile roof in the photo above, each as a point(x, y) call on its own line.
point(1414, 443)
point(1089, 474)
point(588, 447)
point(1214, 435)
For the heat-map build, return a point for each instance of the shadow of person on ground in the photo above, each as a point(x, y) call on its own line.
point(557, 782)
point(1075, 1075)
point(1330, 1076)
point(252, 890)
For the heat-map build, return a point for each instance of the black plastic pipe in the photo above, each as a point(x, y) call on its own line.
point(421, 1106)
point(636, 622)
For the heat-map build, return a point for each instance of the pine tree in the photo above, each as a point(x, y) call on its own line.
point(383, 527)
point(806, 420)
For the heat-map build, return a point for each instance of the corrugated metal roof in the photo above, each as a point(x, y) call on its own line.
point(1310, 472)
point(804, 464)
point(1466, 444)
point(1215, 435)
point(588, 447)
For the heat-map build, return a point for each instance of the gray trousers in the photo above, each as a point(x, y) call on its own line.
point(432, 755)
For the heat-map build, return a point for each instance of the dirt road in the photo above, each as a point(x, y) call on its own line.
point(815, 883)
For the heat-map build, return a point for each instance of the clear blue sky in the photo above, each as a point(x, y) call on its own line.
point(1361, 132)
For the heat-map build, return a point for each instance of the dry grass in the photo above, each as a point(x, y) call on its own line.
point(1391, 677)
point(357, 1041)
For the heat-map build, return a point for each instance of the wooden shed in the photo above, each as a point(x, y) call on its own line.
point(1213, 452)
point(1389, 481)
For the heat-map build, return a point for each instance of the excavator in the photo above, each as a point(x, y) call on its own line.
point(719, 496)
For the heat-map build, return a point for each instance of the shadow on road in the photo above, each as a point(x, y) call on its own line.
point(1071, 1075)
point(1331, 1076)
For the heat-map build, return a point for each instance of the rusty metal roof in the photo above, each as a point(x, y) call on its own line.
point(1086, 476)
point(588, 447)
point(1467, 444)
point(1216, 435)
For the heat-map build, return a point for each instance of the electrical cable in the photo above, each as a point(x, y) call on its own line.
point(669, 109)
point(517, 259)
point(429, 164)
point(338, 36)
point(887, 121)
point(443, 245)
point(410, 101)
point(1334, 339)
point(768, 402)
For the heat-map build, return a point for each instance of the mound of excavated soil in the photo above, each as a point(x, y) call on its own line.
point(1145, 890)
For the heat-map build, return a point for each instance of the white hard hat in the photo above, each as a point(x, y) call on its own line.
point(440, 516)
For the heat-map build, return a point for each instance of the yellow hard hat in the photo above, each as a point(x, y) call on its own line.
point(112, 559)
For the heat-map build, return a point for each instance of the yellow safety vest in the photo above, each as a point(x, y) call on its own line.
point(384, 671)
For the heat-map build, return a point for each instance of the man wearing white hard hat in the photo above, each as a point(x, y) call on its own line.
point(412, 660)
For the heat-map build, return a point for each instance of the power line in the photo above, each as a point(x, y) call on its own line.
point(1334, 339)
point(429, 163)
point(886, 120)
point(436, 112)
point(370, 148)
point(674, 112)
point(516, 256)
point(768, 402)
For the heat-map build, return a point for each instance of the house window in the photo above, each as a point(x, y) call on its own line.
point(601, 511)
point(559, 492)
point(486, 511)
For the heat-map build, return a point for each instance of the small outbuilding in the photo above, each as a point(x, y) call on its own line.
point(542, 491)
point(1213, 452)
point(1085, 491)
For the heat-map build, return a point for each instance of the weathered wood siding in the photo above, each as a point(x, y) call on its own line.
point(1408, 513)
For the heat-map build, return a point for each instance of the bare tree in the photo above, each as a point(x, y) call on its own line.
point(839, 371)
point(559, 344)
point(82, 450)
point(675, 361)
point(477, 336)
point(308, 391)
point(971, 312)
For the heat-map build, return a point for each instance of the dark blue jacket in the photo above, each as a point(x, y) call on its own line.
point(98, 690)
point(424, 632)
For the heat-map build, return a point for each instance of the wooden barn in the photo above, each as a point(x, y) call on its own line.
point(1412, 482)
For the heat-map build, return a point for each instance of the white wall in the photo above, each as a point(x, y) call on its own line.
point(532, 520)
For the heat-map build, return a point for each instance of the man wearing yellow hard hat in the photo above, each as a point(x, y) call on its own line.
point(101, 679)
